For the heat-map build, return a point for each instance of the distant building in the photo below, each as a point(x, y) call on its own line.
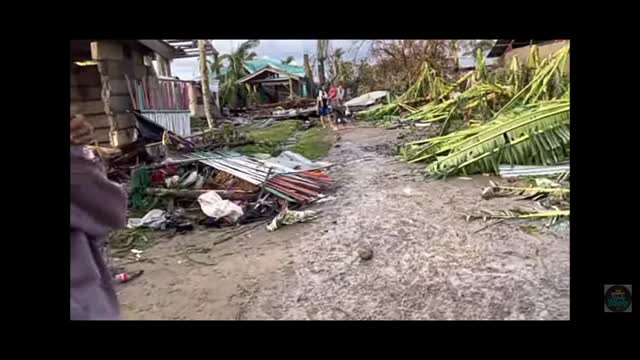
point(273, 80)
point(505, 50)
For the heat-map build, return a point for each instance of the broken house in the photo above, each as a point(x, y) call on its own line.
point(110, 79)
point(505, 50)
point(275, 82)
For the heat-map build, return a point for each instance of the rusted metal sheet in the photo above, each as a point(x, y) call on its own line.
point(280, 180)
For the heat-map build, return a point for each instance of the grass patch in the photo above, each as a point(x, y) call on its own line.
point(267, 140)
point(315, 143)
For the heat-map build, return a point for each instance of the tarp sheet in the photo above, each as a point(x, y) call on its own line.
point(367, 99)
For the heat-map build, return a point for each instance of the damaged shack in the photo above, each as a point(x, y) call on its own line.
point(112, 79)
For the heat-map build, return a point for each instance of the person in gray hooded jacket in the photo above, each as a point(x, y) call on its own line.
point(96, 207)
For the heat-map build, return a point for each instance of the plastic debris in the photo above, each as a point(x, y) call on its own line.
point(190, 179)
point(215, 207)
point(154, 219)
point(137, 253)
point(172, 182)
point(289, 217)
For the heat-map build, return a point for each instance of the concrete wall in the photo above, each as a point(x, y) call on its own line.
point(86, 98)
point(100, 91)
point(545, 50)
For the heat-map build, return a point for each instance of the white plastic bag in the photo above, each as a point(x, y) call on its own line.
point(214, 206)
point(154, 219)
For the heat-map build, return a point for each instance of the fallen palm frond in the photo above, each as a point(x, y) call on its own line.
point(547, 82)
point(536, 137)
point(553, 215)
point(482, 95)
point(528, 193)
point(533, 134)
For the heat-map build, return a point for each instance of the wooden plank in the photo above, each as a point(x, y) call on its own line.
point(99, 121)
point(88, 107)
point(119, 103)
point(162, 48)
point(85, 93)
point(106, 50)
point(85, 76)
point(102, 135)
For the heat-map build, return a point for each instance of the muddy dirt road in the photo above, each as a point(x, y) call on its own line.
point(427, 261)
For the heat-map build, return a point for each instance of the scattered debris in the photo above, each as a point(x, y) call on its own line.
point(521, 170)
point(137, 253)
point(289, 217)
point(488, 193)
point(215, 207)
point(365, 254)
point(530, 229)
point(124, 277)
point(154, 219)
point(502, 117)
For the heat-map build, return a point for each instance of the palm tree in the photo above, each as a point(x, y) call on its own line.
point(337, 64)
point(322, 54)
point(287, 61)
point(209, 107)
point(231, 91)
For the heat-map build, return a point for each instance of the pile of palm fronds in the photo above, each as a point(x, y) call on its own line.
point(537, 134)
point(523, 121)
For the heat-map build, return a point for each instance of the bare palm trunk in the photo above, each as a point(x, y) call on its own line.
point(209, 107)
point(309, 74)
point(323, 45)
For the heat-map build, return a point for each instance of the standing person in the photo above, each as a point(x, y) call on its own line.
point(340, 95)
point(333, 107)
point(322, 106)
point(96, 206)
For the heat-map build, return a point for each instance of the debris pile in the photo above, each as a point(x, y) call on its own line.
point(518, 116)
point(551, 199)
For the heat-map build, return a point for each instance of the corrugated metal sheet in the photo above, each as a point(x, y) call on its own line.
point(290, 184)
point(520, 170)
point(177, 121)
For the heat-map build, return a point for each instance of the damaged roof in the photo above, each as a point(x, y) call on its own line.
point(502, 45)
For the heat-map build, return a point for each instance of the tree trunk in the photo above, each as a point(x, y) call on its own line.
point(209, 107)
point(321, 72)
point(323, 45)
point(309, 75)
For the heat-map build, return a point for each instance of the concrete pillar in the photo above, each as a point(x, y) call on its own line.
point(164, 66)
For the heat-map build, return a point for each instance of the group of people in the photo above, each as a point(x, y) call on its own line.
point(330, 107)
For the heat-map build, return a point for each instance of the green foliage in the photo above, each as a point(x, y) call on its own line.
point(267, 140)
point(233, 93)
point(314, 143)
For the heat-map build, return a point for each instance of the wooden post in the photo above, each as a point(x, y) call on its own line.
point(309, 77)
point(290, 88)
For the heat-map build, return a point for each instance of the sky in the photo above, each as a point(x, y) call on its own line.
point(187, 69)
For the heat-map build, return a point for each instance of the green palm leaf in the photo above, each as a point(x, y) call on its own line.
point(535, 137)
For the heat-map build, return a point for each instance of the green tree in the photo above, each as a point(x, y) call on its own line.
point(232, 92)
